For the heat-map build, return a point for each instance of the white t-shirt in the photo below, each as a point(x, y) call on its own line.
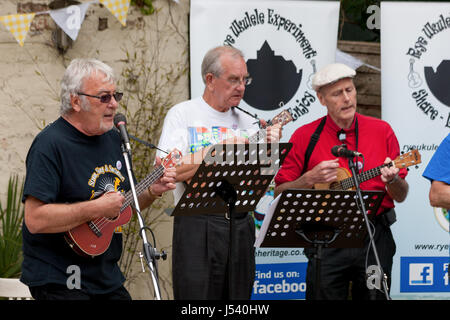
point(192, 125)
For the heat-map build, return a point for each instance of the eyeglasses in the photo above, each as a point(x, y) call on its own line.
point(106, 98)
point(236, 81)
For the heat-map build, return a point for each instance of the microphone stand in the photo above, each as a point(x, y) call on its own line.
point(352, 166)
point(150, 253)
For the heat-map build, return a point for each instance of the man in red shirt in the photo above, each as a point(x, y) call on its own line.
point(376, 141)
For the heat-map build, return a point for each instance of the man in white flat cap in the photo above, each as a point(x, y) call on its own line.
point(311, 164)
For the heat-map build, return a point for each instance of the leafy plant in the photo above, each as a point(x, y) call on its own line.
point(152, 82)
point(146, 6)
point(11, 218)
point(147, 90)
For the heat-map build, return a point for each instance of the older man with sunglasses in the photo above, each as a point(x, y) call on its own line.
point(76, 173)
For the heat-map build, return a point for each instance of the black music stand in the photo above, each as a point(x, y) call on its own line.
point(232, 178)
point(305, 218)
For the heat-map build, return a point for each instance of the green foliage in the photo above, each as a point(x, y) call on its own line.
point(144, 86)
point(149, 84)
point(146, 6)
point(11, 218)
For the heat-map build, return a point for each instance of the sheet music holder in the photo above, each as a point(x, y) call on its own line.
point(246, 167)
point(231, 178)
point(310, 210)
point(304, 218)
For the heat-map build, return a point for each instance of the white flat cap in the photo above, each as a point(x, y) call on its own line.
point(331, 73)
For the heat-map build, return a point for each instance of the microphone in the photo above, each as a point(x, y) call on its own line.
point(121, 123)
point(342, 151)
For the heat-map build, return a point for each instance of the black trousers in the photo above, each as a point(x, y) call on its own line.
point(340, 266)
point(53, 291)
point(200, 261)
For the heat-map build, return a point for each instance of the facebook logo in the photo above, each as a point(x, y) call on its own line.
point(421, 274)
point(424, 274)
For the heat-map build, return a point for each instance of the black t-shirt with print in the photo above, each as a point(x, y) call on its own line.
point(66, 166)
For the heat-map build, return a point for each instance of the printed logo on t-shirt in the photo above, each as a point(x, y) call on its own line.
point(106, 178)
point(200, 137)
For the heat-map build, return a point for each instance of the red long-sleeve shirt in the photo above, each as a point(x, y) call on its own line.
point(376, 141)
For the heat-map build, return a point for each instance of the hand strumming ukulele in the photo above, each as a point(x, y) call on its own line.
point(94, 237)
point(345, 182)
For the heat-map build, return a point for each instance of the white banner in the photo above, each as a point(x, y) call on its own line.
point(284, 43)
point(415, 64)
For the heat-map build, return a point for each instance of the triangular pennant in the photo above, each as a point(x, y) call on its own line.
point(119, 8)
point(18, 25)
point(70, 19)
point(352, 61)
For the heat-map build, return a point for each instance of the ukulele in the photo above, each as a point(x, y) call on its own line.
point(94, 237)
point(284, 117)
point(345, 181)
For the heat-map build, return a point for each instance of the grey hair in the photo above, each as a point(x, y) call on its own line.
point(76, 72)
point(211, 62)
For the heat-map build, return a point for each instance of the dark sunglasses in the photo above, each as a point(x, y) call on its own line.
point(106, 98)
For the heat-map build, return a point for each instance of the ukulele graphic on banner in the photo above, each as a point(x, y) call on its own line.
point(429, 71)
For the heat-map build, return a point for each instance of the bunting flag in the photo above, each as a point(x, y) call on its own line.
point(352, 61)
point(119, 8)
point(70, 19)
point(18, 25)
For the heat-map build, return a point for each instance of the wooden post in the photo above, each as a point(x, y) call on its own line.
point(367, 80)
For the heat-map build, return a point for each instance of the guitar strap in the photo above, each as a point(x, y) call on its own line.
point(312, 143)
point(315, 138)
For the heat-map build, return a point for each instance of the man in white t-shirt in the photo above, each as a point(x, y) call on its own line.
point(201, 242)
